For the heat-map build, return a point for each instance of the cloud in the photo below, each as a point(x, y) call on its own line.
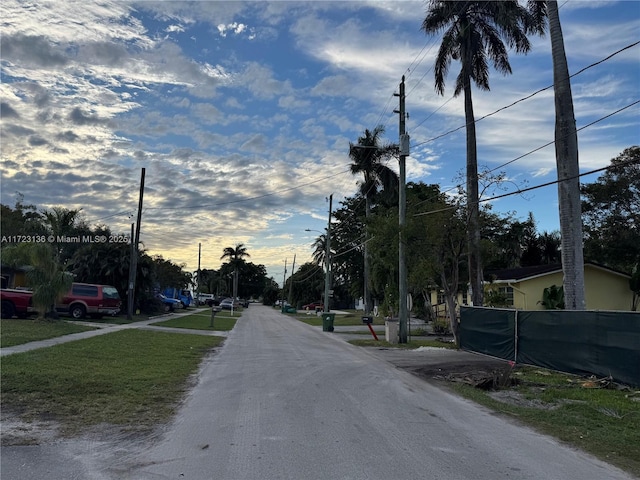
point(33, 51)
point(6, 111)
point(236, 28)
point(78, 117)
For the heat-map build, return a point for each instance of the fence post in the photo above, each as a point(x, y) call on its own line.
point(515, 340)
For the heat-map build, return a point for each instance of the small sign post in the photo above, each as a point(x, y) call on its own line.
point(214, 309)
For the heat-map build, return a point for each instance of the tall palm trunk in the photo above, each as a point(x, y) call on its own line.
point(473, 229)
point(566, 141)
point(367, 264)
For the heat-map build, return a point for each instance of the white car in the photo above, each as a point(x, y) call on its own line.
point(205, 298)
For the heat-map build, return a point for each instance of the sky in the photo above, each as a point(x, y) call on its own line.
point(241, 114)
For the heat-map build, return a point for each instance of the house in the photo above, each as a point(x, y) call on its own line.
point(13, 277)
point(605, 289)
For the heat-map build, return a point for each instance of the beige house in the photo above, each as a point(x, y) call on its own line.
point(605, 289)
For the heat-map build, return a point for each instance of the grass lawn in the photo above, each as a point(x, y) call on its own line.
point(17, 332)
point(132, 378)
point(201, 321)
point(602, 421)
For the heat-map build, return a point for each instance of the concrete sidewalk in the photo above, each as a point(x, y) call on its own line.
point(102, 329)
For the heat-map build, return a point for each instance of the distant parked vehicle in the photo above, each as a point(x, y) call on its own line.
point(89, 299)
point(229, 303)
point(206, 299)
point(169, 304)
point(184, 296)
point(313, 306)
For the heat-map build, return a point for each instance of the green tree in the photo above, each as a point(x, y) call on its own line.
point(550, 247)
point(308, 284)
point(23, 219)
point(370, 158)
point(63, 222)
point(473, 34)
point(46, 276)
point(209, 281)
point(236, 256)
point(167, 274)
point(348, 240)
point(611, 212)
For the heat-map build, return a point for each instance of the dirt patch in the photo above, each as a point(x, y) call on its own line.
point(512, 397)
point(16, 431)
point(483, 373)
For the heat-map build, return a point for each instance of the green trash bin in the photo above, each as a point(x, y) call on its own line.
point(327, 321)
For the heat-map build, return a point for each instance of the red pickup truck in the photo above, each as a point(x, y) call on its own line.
point(16, 302)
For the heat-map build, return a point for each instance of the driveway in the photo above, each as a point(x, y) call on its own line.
point(283, 400)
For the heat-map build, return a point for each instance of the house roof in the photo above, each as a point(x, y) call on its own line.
point(526, 273)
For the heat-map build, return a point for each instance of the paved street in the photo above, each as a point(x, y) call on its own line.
point(282, 400)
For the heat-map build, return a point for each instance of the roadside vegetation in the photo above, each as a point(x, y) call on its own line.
point(594, 415)
point(132, 378)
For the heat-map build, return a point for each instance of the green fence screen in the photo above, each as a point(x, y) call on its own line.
point(582, 342)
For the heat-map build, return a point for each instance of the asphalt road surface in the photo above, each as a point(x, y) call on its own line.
point(282, 400)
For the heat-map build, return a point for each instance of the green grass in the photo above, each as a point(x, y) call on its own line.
point(410, 345)
point(201, 321)
point(132, 378)
point(602, 421)
point(17, 332)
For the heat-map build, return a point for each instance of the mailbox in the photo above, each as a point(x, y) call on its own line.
point(216, 308)
point(367, 320)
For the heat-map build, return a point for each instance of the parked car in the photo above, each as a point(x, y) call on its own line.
point(89, 299)
point(206, 299)
point(16, 302)
point(313, 306)
point(228, 303)
point(169, 304)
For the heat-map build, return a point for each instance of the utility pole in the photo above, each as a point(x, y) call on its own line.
point(402, 208)
point(284, 280)
point(293, 267)
point(134, 267)
point(199, 273)
point(327, 257)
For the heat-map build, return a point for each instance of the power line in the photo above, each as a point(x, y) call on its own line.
point(524, 190)
point(517, 101)
point(537, 149)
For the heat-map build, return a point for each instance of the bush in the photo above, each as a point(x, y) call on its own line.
point(151, 306)
point(441, 327)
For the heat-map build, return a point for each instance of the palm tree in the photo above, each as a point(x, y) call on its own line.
point(566, 142)
point(62, 222)
point(473, 34)
point(369, 158)
point(550, 245)
point(46, 276)
point(319, 249)
point(236, 257)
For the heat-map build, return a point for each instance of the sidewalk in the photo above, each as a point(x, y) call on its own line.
point(110, 328)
